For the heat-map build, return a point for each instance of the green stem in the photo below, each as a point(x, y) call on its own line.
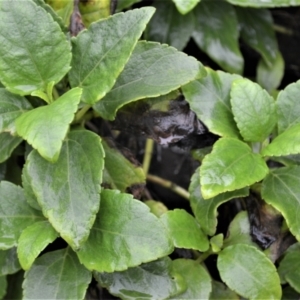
point(169, 185)
point(79, 115)
point(205, 255)
point(148, 155)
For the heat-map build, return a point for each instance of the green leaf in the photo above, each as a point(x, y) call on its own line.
point(209, 98)
point(125, 4)
point(156, 207)
point(289, 293)
point(154, 280)
point(153, 70)
point(11, 107)
point(257, 31)
point(3, 286)
point(116, 165)
point(221, 292)
point(269, 77)
point(15, 214)
point(263, 3)
point(2, 171)
point(253, 109)
point(7, 144)
point(9, 263)
point(37, 42)
point(56, 275)
point(289, 267)
point(216, 242)
point(286, 143)
point(125, 233)
point(33, 240)
point(205, 211)
point(68, 191)
point(197, 279)
point(288, 108)
point(212, 17)
point(101, 52)
point(184, 230)
point(45, 127)
point(249, 272)
point(169, 26)
point(281, 190)
point(185, 6)
point(225, 167)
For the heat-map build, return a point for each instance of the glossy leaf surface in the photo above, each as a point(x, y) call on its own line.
point(15, 214)
point(9, 263)
point(205, 211)
point(56, 275)
point(253, 109)
point(288, 108)
point(68, 191)
point(153, 70)
point(286, 143)
point(116, 165)
point(184, 230)
point(249, 272)
point(11, 107)
point(33, 240)
point(211, 17)
point(222, 292)
point(209, 98)
point(125, 234)
point(169, 26)
point(7, 144)
point(45, 127)
point(257, 31)
point(225, 167)
point(101, 52)
point(185, 6)
point(43, 50)
point(281, 190)
point(154, 280)
point(196, 277)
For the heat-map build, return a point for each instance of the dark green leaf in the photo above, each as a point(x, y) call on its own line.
point(253, 109)
point(11, 107)
point(212, 17)
point(249, 272)
point(185, 6)
point(224, 169)
point(7, 144)
point(154, 280)
point(45, 127)
point(33, 240)
point(68, 191)
point(56, 275)
point(116, 165)
point(153, 70)
point(3, 286)
point(289, 293)
point(289, 160)
point(125, 234)
point(15, 214)
point(281, 190)
point(2, 171)
point(286, 143)
point(169, 26)
point(258, 32)
point(263, 3)
point(209, 98)
point(101, 52)
point(9, 263)
point(197, 279)
point(205, 211)
point(184, 230)
point(125, 4)
point(37, 41)
point(222, 292)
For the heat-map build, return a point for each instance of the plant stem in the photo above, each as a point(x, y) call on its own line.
point(169, 185)
point(148, 155)
point(79, 115)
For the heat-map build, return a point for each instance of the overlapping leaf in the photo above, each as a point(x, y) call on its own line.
point(125, 234)
point(154, 280)
point(153, 70)
point(15, 214)
point(33, 240)
point(68, 190)
point(9, 263)
point(92, 11)
point(3, 286)
point(43, 50)
point(212, 17)
point(101, 52)
point(263, 3)
point(249, 272)
point(281, 189)
point(209, 98)
point(224, 169)
point(253, 109)
point(7, 144)
point(221, 292)
point(56, 275)
point(185, 6)
point(205, 211)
